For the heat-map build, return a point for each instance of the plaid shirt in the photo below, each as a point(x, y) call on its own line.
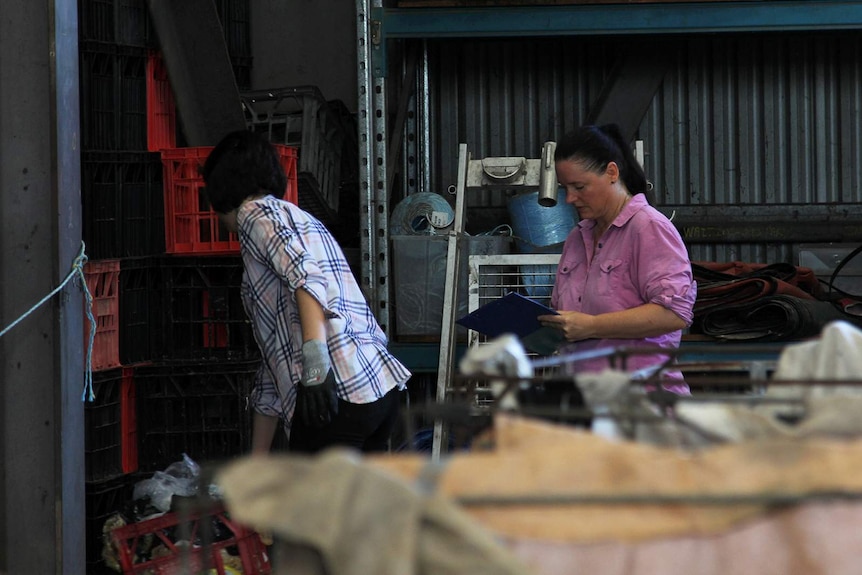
point(284, 249)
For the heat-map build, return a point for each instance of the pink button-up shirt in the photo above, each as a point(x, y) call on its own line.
point(640, 259)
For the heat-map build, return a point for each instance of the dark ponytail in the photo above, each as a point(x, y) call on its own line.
point(596, 147)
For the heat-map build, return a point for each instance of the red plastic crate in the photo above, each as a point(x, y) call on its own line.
point(161, 106)
point(128, 422)
point(110, 420)
point(191, 227)
point(205, 558)
point(103, 282)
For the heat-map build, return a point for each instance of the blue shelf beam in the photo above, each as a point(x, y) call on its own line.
point(616, 19)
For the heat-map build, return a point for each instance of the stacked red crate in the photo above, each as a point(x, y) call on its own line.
point(103, 277)
point(191, 227)
point(161, 107)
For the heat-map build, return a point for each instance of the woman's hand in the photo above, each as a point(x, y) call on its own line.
point(574, 324)
point(647, 320)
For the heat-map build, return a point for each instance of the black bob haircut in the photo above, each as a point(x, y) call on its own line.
point(241, 165)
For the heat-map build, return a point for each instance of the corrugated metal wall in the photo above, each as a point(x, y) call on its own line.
point(507, 97)
point(759, 120)
point(741, 120)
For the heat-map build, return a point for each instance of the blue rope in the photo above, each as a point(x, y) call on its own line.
point(77, 271)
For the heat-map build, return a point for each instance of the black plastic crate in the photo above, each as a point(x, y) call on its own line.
point(98, 99)
point(242, 66)
point(123, 204)
point(235, 18)
point(104, 499)
point(102, 441)
point(140, 312)
point(110, 440)
point(200, 409)
point(113, 99)
point(143, 212)
point(203, 315)
point(300, 116)
point(133, 101)
point(122, 22)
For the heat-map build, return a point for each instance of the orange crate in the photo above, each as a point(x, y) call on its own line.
point(191, 227)
point(174, 557)
point(161, 107)
point(103, 282)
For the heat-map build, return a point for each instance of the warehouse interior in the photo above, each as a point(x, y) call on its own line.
point(415, 131)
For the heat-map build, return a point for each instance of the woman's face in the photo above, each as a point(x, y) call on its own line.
point(594, 195)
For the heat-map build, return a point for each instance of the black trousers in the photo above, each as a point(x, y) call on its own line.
point(363, 426)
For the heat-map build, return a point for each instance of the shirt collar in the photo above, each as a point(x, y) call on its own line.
point(634, 205)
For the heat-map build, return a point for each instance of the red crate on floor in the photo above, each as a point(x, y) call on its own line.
point(103, 283)
point(161, 106)
point(191, 227)
point(171, 531)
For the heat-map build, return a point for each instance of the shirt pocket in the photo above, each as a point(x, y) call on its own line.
point(571, 276)
point(613, 274)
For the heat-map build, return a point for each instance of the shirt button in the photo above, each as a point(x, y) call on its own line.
point(600, 245)
point(579, 298)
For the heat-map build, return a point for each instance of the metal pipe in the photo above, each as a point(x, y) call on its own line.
point(548, 177)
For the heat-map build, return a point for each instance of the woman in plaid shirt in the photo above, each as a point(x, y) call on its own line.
point(326, 372)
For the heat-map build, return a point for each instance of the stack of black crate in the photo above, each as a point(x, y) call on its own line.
point(183, 357)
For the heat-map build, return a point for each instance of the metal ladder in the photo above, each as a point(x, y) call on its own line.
point(492, 173)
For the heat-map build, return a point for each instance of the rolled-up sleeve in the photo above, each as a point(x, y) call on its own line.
point(665, 270)
point(283, 250)
point(679, 299)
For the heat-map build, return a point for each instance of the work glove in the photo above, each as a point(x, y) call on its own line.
point(316, 402)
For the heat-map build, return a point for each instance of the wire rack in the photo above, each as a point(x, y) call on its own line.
point(491, 277)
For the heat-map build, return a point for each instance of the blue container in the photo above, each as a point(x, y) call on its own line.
point(537, 229)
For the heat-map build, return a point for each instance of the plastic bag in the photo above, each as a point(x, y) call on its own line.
point(179, 478)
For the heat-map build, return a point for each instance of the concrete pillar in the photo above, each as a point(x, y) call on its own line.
point(41, 358)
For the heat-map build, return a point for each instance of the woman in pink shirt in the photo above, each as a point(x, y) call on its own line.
point(624, 277)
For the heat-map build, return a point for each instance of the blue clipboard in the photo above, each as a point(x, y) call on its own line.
point(516, 314)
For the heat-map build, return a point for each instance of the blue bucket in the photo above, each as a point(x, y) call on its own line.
point(538, 229)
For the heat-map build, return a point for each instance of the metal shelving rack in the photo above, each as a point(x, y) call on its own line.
point(377, 25)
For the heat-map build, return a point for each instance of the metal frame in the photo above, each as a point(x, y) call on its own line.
point(372, 167)
point(377, 25)
point(494, 173)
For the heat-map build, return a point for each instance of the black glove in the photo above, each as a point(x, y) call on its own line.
point(316, 401)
